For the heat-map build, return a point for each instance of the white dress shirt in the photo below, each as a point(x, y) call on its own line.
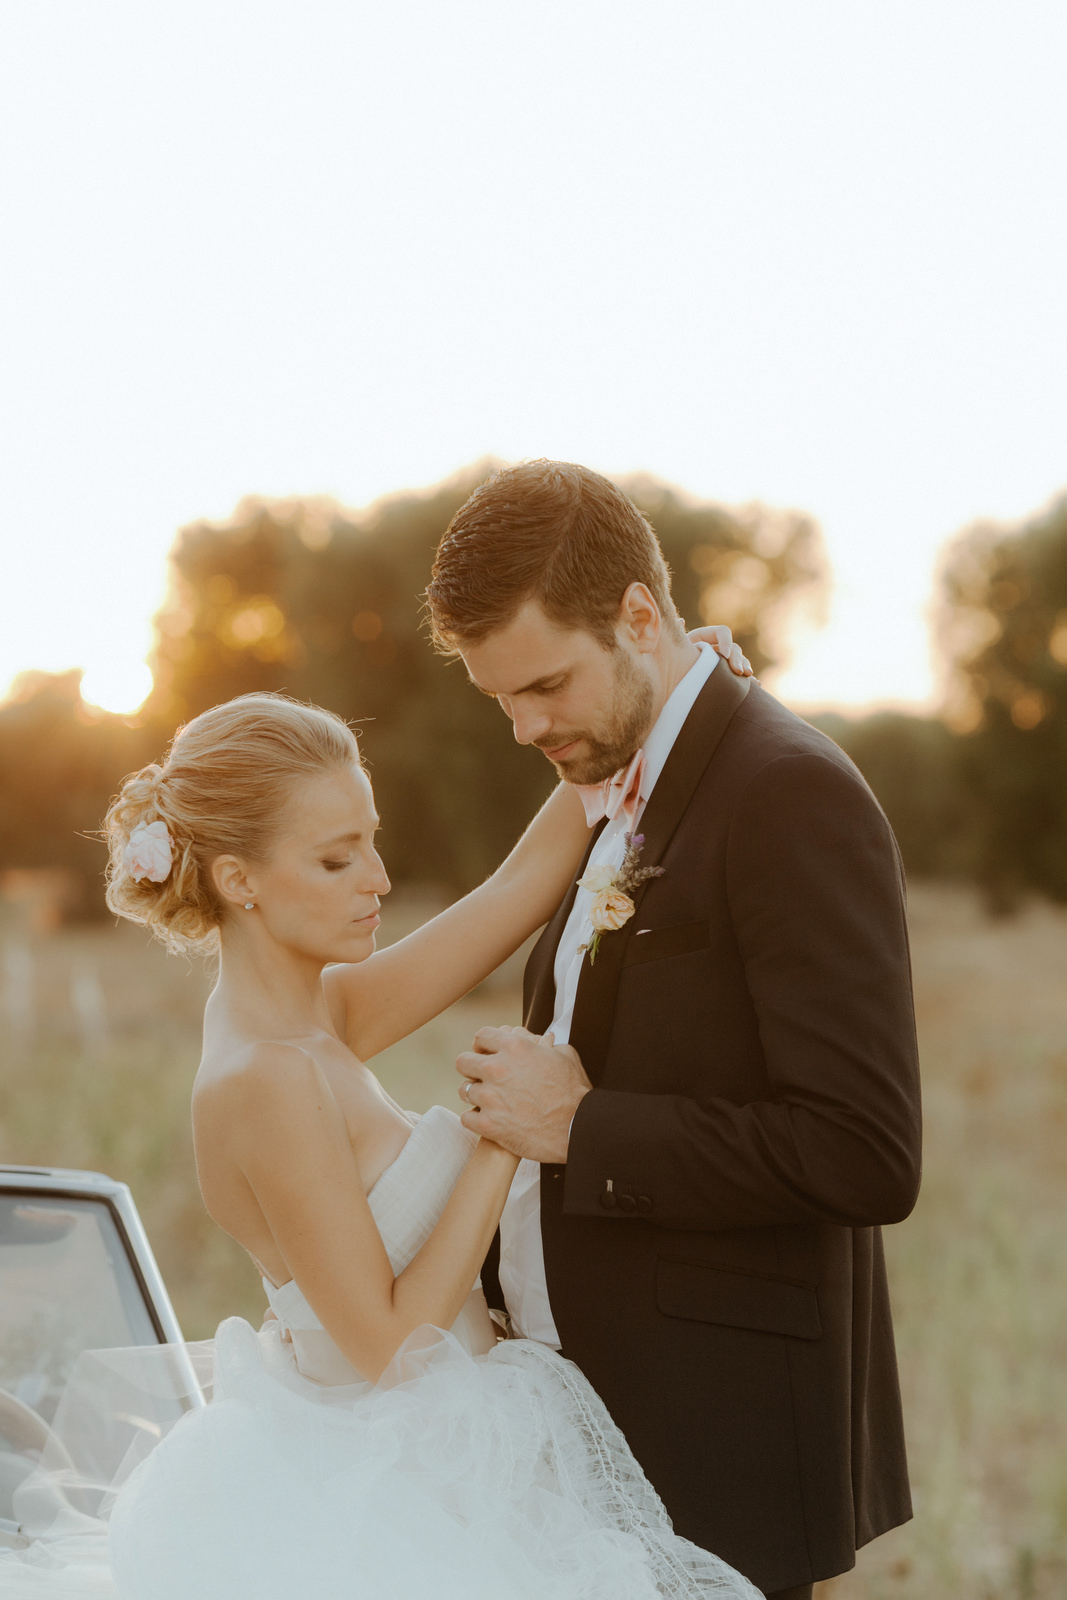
point(522, 1261)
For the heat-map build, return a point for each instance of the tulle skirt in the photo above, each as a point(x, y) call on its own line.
point(495, 1477)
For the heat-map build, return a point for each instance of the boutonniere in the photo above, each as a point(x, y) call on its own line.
point(613, 889)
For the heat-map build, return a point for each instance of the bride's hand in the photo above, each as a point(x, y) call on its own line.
point(721, 640)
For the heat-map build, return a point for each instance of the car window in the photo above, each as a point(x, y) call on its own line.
point(66, 1285)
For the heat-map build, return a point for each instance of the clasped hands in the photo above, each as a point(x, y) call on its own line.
point(521, 1091)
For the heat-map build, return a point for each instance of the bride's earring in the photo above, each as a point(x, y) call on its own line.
point(250, 905)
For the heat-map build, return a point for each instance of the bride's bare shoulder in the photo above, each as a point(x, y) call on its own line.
point(259, 1078)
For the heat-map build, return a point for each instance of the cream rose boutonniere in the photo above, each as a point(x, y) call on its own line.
point(613, 889)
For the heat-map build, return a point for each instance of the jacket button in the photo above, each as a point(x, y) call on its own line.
point(627, 1202)
point(644, 1203)
point(607, 1200)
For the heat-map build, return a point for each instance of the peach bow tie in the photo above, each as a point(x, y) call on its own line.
point(620, 793)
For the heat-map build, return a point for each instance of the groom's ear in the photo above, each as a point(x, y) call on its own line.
point(230, 877)
point(640, 619)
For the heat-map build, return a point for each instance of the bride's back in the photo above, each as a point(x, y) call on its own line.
point(228, 1083)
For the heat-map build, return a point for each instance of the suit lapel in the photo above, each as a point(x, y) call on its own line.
point(694, 747)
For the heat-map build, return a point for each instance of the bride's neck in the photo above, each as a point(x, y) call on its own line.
point(266, 991)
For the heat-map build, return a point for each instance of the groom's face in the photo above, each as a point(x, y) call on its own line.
point(587, 708)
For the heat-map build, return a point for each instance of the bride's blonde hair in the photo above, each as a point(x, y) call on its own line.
point(221, 790)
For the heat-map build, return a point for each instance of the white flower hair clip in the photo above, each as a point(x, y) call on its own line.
point(149, 853)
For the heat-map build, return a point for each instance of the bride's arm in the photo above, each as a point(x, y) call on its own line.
point(396, 990)
point(292, 1145)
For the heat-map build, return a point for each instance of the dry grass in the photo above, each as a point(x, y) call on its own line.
point(979, 1272)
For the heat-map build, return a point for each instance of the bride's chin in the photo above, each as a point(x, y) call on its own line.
point(343, 952)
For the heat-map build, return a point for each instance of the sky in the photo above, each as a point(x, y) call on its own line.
point(804, 252)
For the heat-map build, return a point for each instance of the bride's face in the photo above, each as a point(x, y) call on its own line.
point(318, 891)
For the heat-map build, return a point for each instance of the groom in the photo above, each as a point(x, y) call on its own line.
point(718, 1097)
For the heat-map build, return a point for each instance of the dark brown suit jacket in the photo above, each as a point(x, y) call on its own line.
point(712, 1248)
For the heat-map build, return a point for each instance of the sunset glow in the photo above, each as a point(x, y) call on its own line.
point(810, 256)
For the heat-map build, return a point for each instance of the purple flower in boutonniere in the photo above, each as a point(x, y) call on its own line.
point(613, 889)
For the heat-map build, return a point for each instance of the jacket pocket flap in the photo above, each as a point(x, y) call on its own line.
point(702, 1293)
point(654, 944)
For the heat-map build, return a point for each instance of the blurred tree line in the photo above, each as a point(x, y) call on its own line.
point(981, 793)
point(325, 603)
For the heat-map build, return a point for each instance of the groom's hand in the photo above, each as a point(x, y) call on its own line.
point(522, 1091)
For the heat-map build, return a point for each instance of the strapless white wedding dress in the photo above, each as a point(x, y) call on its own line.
point(473, 1470)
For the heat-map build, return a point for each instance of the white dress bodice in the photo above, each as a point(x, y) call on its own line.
point(405, 1202)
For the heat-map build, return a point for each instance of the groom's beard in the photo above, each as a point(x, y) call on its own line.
point(627, 723)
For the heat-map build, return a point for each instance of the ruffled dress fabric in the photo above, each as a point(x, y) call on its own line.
point(464, 1472)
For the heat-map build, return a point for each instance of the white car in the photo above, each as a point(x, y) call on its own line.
point(76, 1274)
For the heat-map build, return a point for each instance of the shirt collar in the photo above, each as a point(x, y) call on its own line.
point(668, 724)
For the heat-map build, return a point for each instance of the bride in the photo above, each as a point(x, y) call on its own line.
point(375, 1438)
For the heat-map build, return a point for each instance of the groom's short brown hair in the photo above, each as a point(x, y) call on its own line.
point(548, 531)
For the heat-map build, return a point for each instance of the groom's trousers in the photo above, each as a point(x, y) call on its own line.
point(802, 1591)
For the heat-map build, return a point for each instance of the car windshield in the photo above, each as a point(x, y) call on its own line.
point(66, 1285)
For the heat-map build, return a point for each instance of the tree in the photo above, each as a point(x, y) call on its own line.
point(60, 764)
point(1003, 628)
point(326, 604)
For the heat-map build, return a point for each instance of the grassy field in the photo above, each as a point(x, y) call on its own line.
point(100, 1044)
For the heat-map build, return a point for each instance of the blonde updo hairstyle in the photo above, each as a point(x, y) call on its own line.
point(222, 790)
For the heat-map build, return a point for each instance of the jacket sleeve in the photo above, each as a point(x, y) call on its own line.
point(816, 903)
